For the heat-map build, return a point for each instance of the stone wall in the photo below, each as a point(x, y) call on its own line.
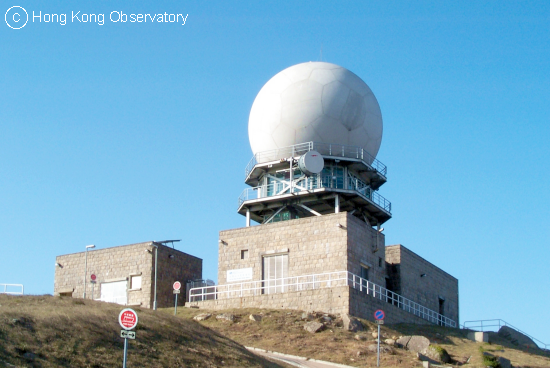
point(121, 263)
point(366, 248)
point(328, 300)
point(408, 267)
point(314, 245)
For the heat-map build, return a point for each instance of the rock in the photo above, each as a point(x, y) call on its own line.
point(326, 319)
point(202, 316)
point(504, 363)
point(255, 317)
point(426, 364)
point(373, 348)
point(516, 337)
point(390, 342)
point(226, 316)
point(418, 344)
point(375, 335)
point(307, 316)
point(351, 323)
point(360, 337)
point(313, 327)
point(359, 353)
point(437, 354)
point(403, 341)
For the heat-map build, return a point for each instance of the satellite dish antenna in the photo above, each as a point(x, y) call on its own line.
point(311, 163)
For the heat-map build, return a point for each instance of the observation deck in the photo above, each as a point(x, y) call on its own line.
point(347, 182)
point(369, 169)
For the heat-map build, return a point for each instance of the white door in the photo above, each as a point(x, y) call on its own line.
point(275, 270)
point(114, 292)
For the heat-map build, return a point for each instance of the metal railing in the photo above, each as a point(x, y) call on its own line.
point(317, 281)
point(325, 149)
point(494, 325)
point(275, 189)
point(10, 289)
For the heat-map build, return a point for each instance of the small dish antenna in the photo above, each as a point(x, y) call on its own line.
point(311, 163)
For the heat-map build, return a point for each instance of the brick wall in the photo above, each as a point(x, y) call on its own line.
point(120, 263)
point(365, 249)
point(408, 266)
point(314, 245)
point(328, 300)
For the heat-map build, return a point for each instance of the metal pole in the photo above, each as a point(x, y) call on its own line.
point(156, 263)
point(176, 305)
point(125, 352)
point(85, 272)
point(378, 355)
point(93, 283)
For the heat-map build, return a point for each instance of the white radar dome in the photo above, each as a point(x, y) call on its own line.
point(318, 102)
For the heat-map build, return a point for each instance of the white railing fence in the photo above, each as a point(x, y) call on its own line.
point(495, 325)
point(317, 281)
point(12, 289)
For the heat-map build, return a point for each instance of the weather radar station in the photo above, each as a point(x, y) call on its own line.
point(315, 129)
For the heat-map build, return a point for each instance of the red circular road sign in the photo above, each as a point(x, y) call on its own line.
point(379, 315)
point(128, 319)
point(93, 277)
point(177, 285)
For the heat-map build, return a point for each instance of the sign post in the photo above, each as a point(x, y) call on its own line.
point(177, 287)
point(379, 316)
point(127, 319)
point(93, 277)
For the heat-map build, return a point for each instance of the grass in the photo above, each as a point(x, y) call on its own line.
point(46, 331)
point(282, 331)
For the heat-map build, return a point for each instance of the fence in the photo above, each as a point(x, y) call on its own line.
point(317, 281)
point(325, 149)
point(495, 325)
point(12, 289)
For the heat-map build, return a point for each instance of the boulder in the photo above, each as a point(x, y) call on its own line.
point(351, 323)
point(516, 337)
point(375, 335)
point(307, 316)
point(390, 342)
point(403, 341)
point(504, 363)
point(418, 344)
point(226, 316)
point(437, 354)
point(202, 316)
point(313, 327)
point(255, 317)
point(360, 337)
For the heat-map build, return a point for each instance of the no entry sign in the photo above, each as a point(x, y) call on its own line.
point(128, 319)
point(93, 277)
point(177, 285)
point(379, 315)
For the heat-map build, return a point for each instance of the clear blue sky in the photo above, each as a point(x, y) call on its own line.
point(127, 132)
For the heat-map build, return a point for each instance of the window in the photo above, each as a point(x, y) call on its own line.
point(114, 292)
point(364, 272)
point(379, 261)
point(135, 282)
point(275, 269)
point(244, 254)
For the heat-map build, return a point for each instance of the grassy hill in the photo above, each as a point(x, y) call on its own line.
point(282, 331)
point(46, 331)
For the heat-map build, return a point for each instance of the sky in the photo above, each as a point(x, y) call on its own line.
point(117, 132)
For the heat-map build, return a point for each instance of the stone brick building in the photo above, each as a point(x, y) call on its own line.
point(334, 263)
point(126, 274)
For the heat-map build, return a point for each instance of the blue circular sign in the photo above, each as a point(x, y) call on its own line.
point(379, 315)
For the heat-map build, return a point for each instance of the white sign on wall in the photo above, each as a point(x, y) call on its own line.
point(241, 274)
